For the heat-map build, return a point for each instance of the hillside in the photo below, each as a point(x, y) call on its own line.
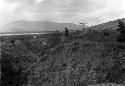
point(93, 58)
point(107, 25)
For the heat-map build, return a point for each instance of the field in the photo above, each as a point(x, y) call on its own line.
point(85, 58)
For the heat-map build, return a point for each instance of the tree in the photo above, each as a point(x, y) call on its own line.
point(84, 25)
point(121, 29)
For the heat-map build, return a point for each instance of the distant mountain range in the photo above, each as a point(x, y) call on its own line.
point(37, 26)
point(34, 26)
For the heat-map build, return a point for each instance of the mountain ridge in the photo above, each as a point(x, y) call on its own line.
point(36, 26)
point(29, 26)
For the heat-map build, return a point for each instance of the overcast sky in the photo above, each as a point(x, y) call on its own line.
point(74, 11)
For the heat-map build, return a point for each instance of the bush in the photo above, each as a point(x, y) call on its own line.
point(15, 61)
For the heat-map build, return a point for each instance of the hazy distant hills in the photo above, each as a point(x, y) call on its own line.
point(34, 26)
point(107, 25)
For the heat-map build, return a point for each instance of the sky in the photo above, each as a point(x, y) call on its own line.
point(92, 12)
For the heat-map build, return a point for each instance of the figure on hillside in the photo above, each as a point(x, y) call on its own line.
point(66, 32)
point(13, 42)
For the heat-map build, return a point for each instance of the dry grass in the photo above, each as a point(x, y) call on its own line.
point(89, 59)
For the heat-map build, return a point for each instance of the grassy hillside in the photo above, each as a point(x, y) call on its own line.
point(89, 58)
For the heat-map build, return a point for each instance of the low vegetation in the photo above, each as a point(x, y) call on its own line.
point(89, 58)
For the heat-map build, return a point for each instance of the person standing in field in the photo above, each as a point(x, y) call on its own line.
point(66, 34)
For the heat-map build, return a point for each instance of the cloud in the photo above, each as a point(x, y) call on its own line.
point(38, 1)
point(19, 1)
point(6, 10)
point(91, 11)
point(113, 10)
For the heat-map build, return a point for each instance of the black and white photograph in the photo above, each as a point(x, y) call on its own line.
point(62, 42)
